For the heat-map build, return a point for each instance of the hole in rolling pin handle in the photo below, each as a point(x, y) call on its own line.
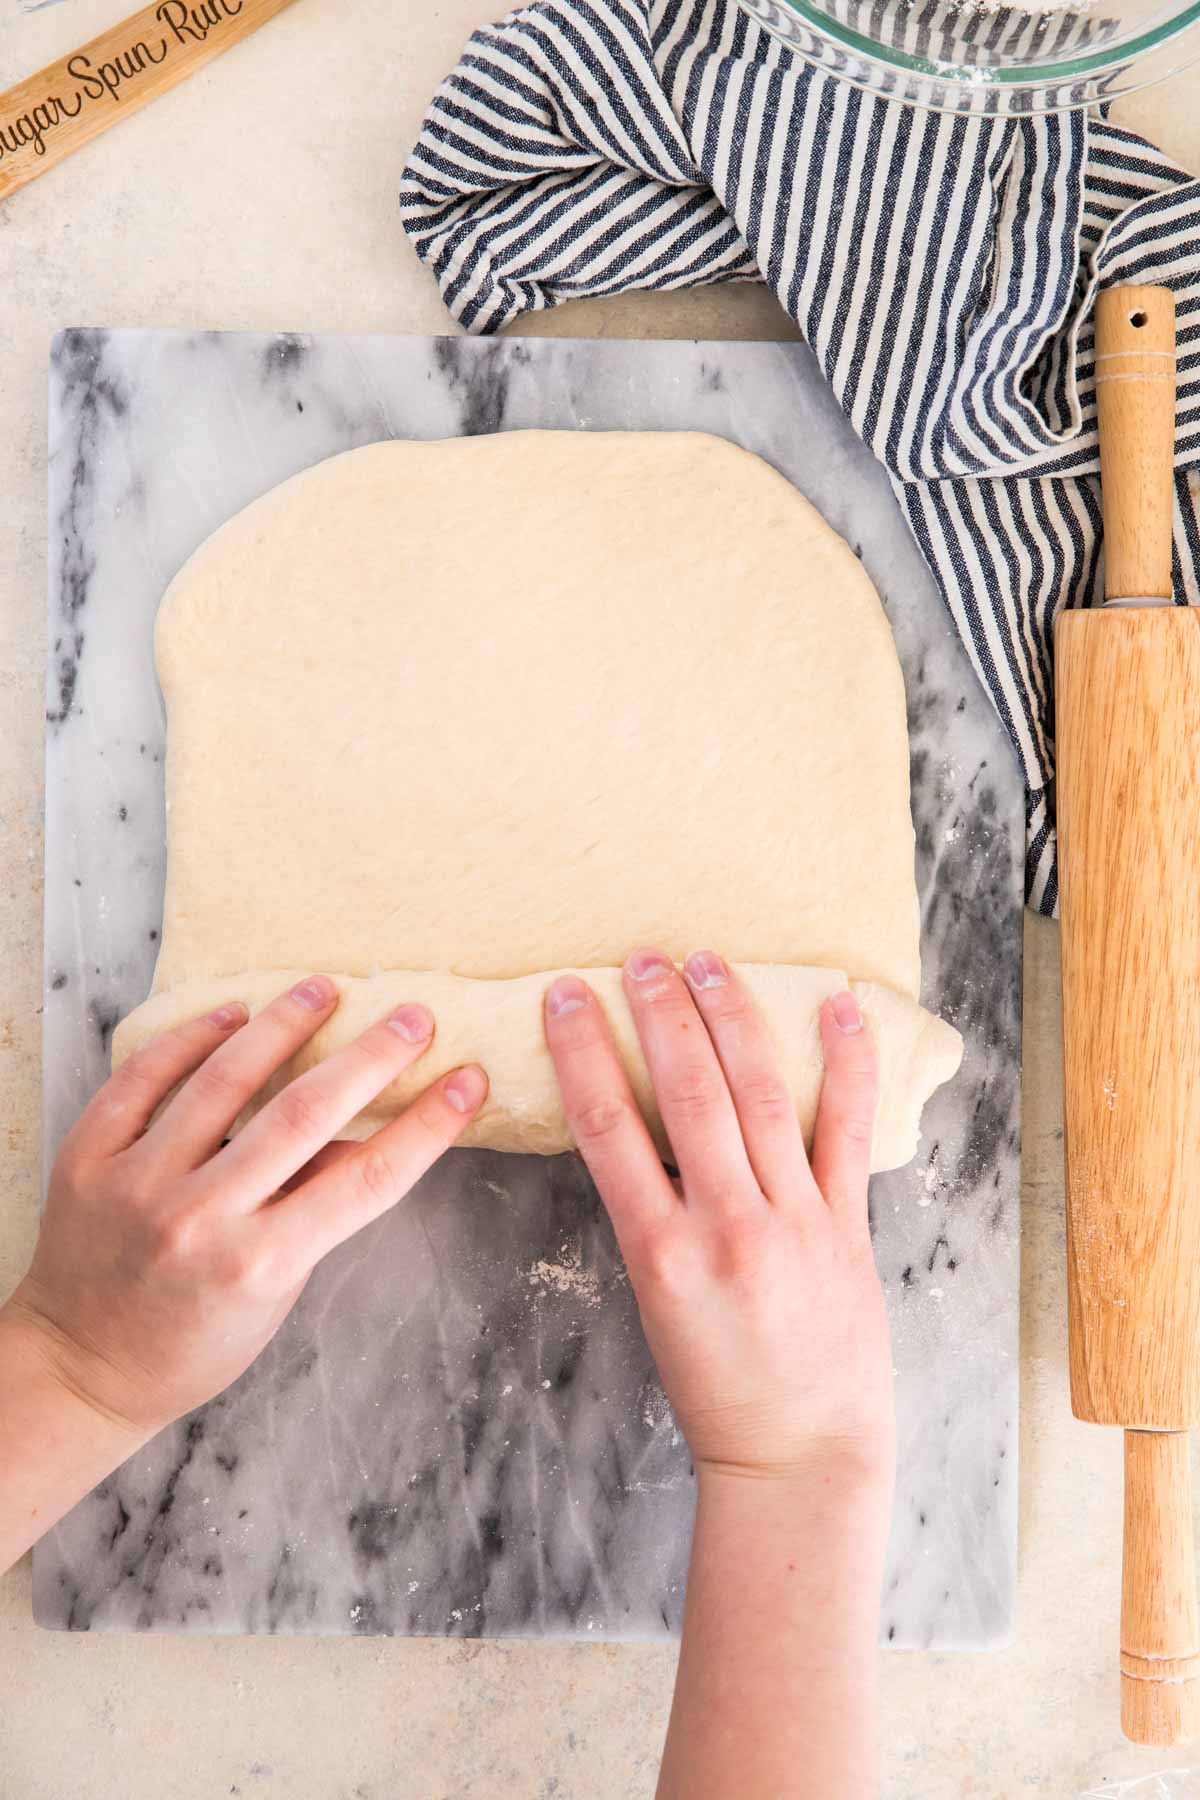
point(1137, 319)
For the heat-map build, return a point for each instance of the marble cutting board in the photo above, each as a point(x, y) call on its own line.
point(459, 1430)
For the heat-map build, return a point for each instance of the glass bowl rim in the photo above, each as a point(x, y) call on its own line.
point(1115, 53)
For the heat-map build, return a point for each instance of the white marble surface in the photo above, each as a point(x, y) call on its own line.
point(459, 1431)
point(261, 196)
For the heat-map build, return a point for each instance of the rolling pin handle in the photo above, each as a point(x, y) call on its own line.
point(1135, 401)
point(1160, 1639)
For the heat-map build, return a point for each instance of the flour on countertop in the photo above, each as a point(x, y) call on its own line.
point(567, 1275)
point(657, 1415)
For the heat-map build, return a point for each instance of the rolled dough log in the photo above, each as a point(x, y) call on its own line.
point(499, 1023)
point(476, 710)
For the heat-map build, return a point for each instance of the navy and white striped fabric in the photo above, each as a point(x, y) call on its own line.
point(941, 267)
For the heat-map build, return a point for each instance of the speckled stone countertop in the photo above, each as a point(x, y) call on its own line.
point(188, 216)
point(459, 1431)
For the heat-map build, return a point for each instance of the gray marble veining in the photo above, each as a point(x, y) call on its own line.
point(459, 1430)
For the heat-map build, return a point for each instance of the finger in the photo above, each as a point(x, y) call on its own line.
point(841, 1155)
point(324, 1159)
point(300, 1121)
point(307, 1223)
point(602, 1112)
point(117, 1116)
point(765, 1108)
point(693, 1094)
point(201, 1115)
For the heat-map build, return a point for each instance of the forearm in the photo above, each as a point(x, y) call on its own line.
point(775, 1694)
point(54, 1445)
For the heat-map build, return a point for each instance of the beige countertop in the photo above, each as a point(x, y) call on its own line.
point(261, 195)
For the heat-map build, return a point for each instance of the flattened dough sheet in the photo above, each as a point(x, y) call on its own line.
point(512, 703)
point(479, 709)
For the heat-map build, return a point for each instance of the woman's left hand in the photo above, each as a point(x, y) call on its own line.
point(167, 1258)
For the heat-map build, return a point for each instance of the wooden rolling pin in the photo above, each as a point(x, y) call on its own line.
point(1128, 728)
point(62, 107)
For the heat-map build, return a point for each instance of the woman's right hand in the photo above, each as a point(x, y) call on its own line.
point(754, 1273)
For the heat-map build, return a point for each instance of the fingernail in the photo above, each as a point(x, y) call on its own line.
point(566, 995)
point(226, 1017)
point(644, 964)
point(315, 993)
point(845, 1012)
point(413, 1023)
point(705, 969)
point(465, 1089)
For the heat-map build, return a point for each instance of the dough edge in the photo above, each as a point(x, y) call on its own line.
point(498, 1023)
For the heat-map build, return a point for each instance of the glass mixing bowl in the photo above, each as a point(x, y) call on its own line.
point(964, 56)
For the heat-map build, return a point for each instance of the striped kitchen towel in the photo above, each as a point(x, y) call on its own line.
point(942, 268)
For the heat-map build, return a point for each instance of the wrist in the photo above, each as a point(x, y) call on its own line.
point(845, 1472)
point(841, 1512)
point(51, 1365)
point(59, 1445)
point(828, 1499)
